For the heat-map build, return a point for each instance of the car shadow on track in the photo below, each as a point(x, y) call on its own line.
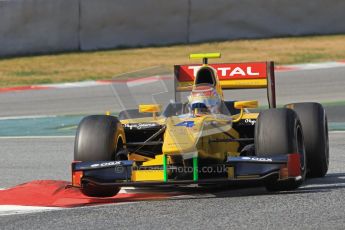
point(328, 183)
point(331, 181)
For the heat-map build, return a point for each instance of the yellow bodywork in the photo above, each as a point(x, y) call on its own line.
point(204, 55)
point(150, 108)
point(188, 142)
point(147, 175)
point(194, 140)
point(245, 104)
point(244, 83)
point(190, 137)
point(229, 84)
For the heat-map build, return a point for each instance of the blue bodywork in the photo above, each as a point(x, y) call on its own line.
point(119, 172)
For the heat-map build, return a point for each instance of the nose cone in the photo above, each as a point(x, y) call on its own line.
point(180, 136)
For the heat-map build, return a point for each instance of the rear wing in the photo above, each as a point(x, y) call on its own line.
point(251, 75)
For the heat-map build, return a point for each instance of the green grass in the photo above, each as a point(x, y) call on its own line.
point(79, 66)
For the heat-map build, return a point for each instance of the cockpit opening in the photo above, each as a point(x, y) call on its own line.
point(205, 75)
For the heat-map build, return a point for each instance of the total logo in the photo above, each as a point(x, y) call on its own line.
point(228, 71)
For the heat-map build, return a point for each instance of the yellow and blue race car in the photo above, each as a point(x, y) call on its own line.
point(204, 139)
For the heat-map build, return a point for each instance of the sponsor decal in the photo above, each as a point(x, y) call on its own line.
point(140, 125)
point(106, 164)
point(250, 121)
point(263, 159)
point(187, 124)
point(227, 71)
point(253, 70)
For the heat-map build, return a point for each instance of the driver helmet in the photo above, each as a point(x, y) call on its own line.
point(204, 99)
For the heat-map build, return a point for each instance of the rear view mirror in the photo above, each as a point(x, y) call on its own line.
point(150, 108)
point(246, 104)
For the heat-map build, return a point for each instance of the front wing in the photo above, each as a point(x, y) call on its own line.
point(236, 169)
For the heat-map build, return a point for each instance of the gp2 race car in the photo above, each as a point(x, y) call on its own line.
point(193, 143)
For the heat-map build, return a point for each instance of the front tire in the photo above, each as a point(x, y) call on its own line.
point(99, 138)
point(279, 131)
point(315, 129)
point(93, 190)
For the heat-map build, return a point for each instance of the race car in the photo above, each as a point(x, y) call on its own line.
point(203, 138)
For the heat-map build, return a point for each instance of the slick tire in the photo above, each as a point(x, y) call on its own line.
point(93, 190)
point(315, 129)
point(279, 131)
point(99, 138)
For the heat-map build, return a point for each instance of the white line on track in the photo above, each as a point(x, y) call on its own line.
point(35, 137)
point(337, 131)
point(18, 209)
point(314, 66)
point(323, 185)
point(143, 81)
point(27, 117)
point(75, 84)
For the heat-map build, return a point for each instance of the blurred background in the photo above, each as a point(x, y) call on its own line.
point(47, 26)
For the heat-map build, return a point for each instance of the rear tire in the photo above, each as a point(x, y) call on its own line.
point(315, 129)
point(99, 138)
point(279, 131)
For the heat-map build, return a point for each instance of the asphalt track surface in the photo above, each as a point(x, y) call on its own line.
point(319, 204)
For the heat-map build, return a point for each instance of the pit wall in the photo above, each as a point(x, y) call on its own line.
point(48, 26)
